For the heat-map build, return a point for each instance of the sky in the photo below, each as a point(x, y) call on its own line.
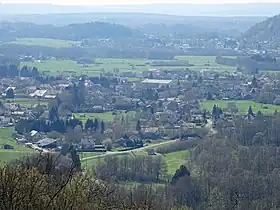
point(119, 2)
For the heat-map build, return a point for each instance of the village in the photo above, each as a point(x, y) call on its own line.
point(114, 113)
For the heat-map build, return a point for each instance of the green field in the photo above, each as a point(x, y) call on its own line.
point(70, 67)
point(44, 42)
point(101, 65)
point(106, 116)
point(27, 101)
point(205, 62)
point(241, 105)
point(17, 152)
point(175, 159)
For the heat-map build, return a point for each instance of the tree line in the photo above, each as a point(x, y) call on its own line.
point(60, 126)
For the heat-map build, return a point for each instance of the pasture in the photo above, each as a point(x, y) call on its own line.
point(29, 102)
point(175, 159)
point(70, 67)
point(44, 42)
point(242, 106)
point(207, 63)
point(137, 66)
point(17, 152)
point(105, 116)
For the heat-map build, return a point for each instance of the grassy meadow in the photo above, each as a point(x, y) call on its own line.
point(175, 159)
point(242, 106)
point(29, 102)
point(70, 67)
point(205, 62)
point(44, 42)
point(17, 152)
point(106, 116)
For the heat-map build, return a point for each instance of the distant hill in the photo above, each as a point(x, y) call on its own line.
point(74, 32)
point(135, 19)
point(267, 31)
point(253, 9)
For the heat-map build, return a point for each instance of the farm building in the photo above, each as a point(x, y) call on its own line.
point(38, 93)
point(156, 83)
point(47, 143)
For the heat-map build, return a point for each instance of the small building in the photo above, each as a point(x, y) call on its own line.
point(8, 147)
point(47, 143)
point(151, 152)
point(99, 148)
point(156, 83)
point(38, 93)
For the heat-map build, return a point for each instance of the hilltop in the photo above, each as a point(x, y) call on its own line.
point(253, 9)
point(69, 32)
point(267, 32)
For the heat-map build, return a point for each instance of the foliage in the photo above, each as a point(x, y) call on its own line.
point(10, 93)
point(127, 168)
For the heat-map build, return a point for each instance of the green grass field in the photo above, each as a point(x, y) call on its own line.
point(44, 42)
point(69, 67)
point(106, 116)
point(242, 106)
point(205, 62)
point(175, 159)
point(17, 152)
point(27, 101)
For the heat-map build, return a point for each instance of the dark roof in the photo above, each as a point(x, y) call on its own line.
point(45, 142)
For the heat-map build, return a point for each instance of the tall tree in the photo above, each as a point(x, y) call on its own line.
point(96, 124)
point(102, 127)
point(138, 126)
point(10, 93)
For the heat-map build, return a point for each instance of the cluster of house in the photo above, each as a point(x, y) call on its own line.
point(166, 100)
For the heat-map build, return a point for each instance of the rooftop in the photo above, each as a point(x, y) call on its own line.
point(157, 81)
point(45, 142)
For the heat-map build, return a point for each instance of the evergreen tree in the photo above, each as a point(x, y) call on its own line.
point(10, 93)
point(75, 158)
point(181, 172)
point(254, 83)
point(250, 111)
point(209, 96)
point(34, 72)
point(102, 127)
point(204, 116)
point(138, 126)
point(96, 124)
point(214, 111)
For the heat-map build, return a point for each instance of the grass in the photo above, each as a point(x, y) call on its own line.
point(205, 62)
point(28, 101)
point(17, 152)
point(106, 116)
point(70, 67)
point(175, 159)
point(44, 42)
point(242, 106)
point(101, 65)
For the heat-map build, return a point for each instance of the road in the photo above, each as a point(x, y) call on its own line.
point(130, 151)
point(209, 126)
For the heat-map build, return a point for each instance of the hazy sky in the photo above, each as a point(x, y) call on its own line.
point(115, 2)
